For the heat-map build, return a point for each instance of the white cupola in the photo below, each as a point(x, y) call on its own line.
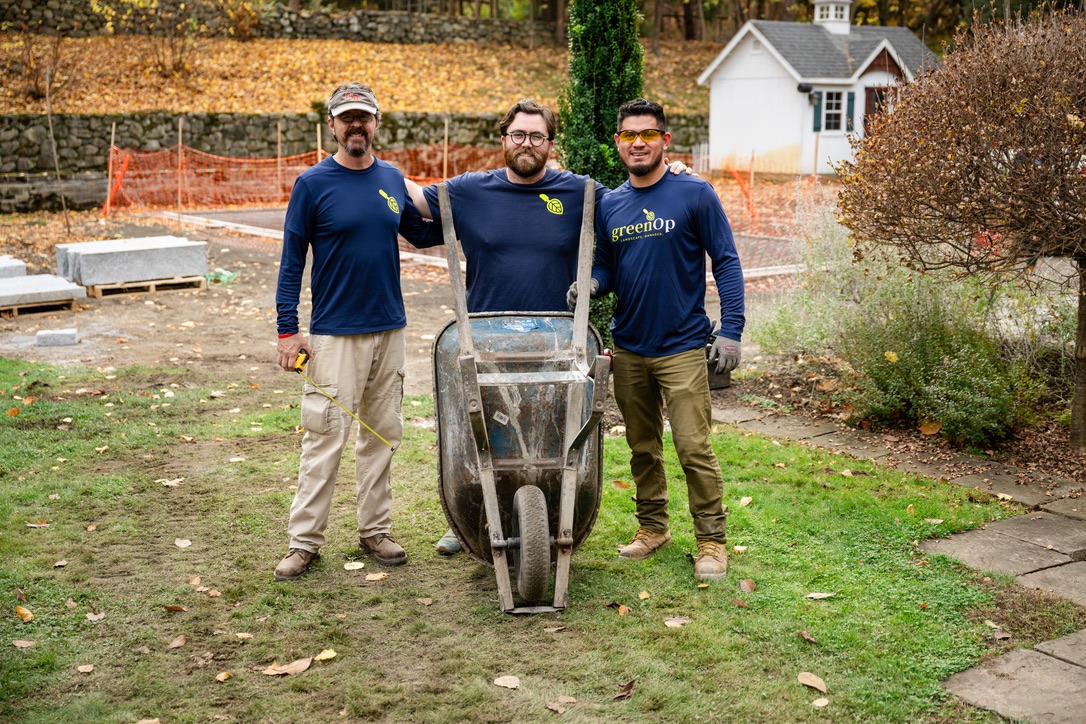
point(833, 15)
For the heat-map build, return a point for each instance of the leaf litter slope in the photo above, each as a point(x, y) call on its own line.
point(288, 76)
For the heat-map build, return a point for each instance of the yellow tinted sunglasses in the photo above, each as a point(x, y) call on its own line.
point(648, 135)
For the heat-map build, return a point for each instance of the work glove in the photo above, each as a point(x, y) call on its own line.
point(726, 352)
point(571, 295)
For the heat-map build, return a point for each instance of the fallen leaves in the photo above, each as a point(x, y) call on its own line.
point(178, 642)
point(620, 607)
point(807, 637)
point(812, 681)
point(740, 603)
point(507, 682)
point(60, 564)
point(819, 596)
point(643, 595)
point(38, 524)
point(326, 655)
point(175, 607)
point(223, 676)
point(353, 565)
point(244, 635)
point(425, 601)
point(625, 691)
point(182, 542)
point(85, 668)
point(24, 614)
point(21, 644)
point(748, 585)
point(930, 428)
point(747, 500)
point(620, 485)
point(380, 576)
point(292, 669)
point(677, 621)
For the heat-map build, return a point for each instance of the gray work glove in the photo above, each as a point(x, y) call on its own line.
point(571, 295)
point(726, 352)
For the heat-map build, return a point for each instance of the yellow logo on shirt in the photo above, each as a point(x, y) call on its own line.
point(391, 201)
point(649, 214)
point(553, 205)
point(653, 225)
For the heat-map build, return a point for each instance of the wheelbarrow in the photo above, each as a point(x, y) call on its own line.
point(519, 442)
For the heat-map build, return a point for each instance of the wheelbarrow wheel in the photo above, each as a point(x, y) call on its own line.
point(532, 560)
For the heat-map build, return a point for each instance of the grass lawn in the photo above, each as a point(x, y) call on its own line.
point(121, 468)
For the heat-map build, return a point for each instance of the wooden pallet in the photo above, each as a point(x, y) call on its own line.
point(14, 310)
point(155, 285)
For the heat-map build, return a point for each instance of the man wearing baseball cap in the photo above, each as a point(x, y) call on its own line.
point(347, 211)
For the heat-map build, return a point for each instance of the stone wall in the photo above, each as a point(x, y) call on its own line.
point(26, 155)
point(76, 19)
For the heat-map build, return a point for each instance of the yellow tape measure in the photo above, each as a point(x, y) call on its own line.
point(299, 367)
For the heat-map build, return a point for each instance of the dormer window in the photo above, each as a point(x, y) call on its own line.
point(823, 12)
point(838, 12)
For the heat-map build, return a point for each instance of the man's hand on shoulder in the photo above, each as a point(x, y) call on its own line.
point(678, 167)
point(289, 347)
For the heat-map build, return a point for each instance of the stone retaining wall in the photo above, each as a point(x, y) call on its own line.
point(83, 141)
point(76, 19)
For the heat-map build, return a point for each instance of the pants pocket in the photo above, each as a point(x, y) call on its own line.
point(318, 412)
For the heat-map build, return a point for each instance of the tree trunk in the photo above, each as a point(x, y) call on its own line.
point(294, 5)
point(1078, 398)
point(657, 26)
point(560, 22)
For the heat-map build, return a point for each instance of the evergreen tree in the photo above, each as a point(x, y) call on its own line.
point(605, 70)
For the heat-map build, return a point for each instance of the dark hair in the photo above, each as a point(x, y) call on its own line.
point(530, 106)
point(642, 107)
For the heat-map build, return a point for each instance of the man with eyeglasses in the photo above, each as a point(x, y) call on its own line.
point(519, 226)
point(348, 210)
point(652, 235)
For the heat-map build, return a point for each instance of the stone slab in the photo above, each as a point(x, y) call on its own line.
point(1025, 685)
point(121, 261)
point(57, 337)
point(1065, 581)
point(1070, 648)
point(735, 415)
point(940, 465)
point(38, 288)
point(1047, 530)
point(854, 443)
point(11, 267)
point(1069, 507)
point(789, 427)
point(987, 550)
point(1028, 490)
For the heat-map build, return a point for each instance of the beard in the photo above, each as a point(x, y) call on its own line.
point(355, 150)
point(525, 162)
point(644, 166)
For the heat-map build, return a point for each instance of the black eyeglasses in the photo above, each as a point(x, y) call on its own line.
point(351, 118)
point(518, 137)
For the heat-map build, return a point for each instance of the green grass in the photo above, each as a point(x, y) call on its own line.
point(898, 623)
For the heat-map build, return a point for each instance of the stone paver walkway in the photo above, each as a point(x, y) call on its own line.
point(1043, 548)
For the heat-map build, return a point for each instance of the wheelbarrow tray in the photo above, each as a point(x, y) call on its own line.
point(523, 366)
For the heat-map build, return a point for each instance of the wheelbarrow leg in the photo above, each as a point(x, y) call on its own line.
point(574, 459)
point(485, 465)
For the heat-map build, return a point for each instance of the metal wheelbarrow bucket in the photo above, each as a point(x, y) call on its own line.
point(518, 409)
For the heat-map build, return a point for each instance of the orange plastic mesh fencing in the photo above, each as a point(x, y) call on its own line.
point(770, 207)
point(189, 179)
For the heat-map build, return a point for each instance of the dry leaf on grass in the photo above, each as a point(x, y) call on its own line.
point(556, 707)
point(509, 682)
point(930, 428)
point(625, 691)
point(96, 616)
point(747, 500)
point(739, 603)
point(291, 669)
point(24, 614)
point(1000, 635)
point(425, 601)
point(808, 679)
point(175, 607)
point(353, 565)
point(244, 635)
point(748, 585)
point(382, 576)
point(85, 668)
point(554, 629)
point(820, 702)
point(38, 524)
point(91, 528)
point(677, 621)
point(807, 637)
point(326, 655)
point(739, 549)
point(620, 607)
point(178, 642)
point(60, 564)
point(643, 595)
point(182, 542)
point(620, 485)
point(566, 700)
point(223, 676)
point(70, 603)
point(21, 644)
point(194, 581)
point(819, 596)
point(933, 521)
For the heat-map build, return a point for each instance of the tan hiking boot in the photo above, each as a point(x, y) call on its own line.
point(644, 543)
point(711, 562)
point(295, 564)
point(385, 551)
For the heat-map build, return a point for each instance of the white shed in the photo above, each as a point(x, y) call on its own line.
point(788, 94)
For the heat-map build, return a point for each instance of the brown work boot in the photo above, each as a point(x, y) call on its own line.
point(385, 551)
point(644, 543)
point(711, 562)
point(295, 564)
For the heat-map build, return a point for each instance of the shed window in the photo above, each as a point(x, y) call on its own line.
point(823, 12)
point(838, 12)
point(756, 47)
point(833, 118)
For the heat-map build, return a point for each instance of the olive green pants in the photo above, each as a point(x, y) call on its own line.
point(642, 386)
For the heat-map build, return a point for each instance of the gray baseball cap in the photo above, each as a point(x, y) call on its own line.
point(353, 97)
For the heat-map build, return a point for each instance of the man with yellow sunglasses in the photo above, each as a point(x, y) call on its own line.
point(652, 235)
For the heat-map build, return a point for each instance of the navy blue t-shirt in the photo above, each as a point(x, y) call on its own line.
point(350, 219)
point(650, 250)
point(520, 240)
